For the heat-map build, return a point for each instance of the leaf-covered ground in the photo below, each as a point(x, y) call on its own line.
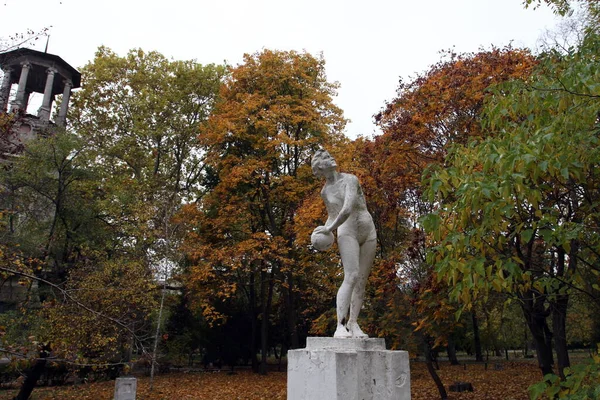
point(509, 383)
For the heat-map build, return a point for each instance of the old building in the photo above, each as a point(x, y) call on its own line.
point(34, 72)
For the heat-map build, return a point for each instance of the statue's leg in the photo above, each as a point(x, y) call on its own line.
point(367, 255)
point(349, 252)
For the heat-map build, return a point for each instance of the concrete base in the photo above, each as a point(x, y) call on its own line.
point(347, 369)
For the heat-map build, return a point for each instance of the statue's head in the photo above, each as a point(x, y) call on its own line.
point(321, 162)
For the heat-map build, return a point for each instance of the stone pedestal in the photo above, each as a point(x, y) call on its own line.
point(347, 369)
point(125, 388)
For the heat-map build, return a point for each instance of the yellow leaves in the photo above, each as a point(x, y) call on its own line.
point(420, 324)
point(113, 291)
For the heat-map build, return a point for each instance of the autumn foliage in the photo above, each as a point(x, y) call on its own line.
point(436, 109)
point(175, 212)
point(275, 110)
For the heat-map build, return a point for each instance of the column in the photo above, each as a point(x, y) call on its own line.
point(25, 102)
point(64, 105)
point(5, 89)
point(44, 111)
point(18, 102)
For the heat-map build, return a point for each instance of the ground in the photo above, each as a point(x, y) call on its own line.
point(508, 383)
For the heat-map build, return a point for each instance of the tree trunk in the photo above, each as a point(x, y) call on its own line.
point(157, 334)
point(535, 315)
point(476, 337)
point(254, 323)
point(559, 318)
point(431, 369)
point(290, 305)
point(283, 351)
point(559, 308)
point(266, 292)
point(33, 376)
point(526, 348)
point(451, 350)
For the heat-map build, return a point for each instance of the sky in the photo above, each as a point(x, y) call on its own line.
point(368, 45)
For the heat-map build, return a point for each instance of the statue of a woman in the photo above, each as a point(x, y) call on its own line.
point(356, 239)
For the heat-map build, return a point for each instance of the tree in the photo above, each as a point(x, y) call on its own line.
point(91, 208)
point(517, 209)
point(46, 198)
point(139, 115)
point(21, 39)
point(564, 7)
point(431, 112)
point(437, 108)
point(117, 289)
point(54, 238)
point(275, 110)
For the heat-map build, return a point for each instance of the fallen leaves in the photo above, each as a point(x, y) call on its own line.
point(509, 383)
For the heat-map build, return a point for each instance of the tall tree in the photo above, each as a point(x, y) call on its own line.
point(138, 115)
point(438, 108)
point(518, 208)
point(276, 109)
point(431, 112)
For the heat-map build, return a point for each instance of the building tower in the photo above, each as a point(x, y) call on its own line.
point(36, 72)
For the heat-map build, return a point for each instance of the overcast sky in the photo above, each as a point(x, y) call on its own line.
point(367, 44)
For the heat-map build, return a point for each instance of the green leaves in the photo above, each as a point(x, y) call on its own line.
point(528, 185)
point(581, 383)
point(141, 113)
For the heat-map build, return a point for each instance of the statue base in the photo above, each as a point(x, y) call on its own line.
point(347, 369)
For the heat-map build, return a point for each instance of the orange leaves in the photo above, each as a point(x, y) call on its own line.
point(275, 109)
point(510, 382)
point(439, 108)
point(310, 214)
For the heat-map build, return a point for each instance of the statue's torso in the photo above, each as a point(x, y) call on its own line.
point(359, 224)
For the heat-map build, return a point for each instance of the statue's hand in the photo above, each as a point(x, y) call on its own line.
point(322, 230)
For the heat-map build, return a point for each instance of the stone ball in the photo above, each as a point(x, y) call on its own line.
point(321, 241)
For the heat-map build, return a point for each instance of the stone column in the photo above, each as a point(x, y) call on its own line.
point(44, 111)
point(18, 103)
point(64, 106)
point(25, 102)
point(5, 89)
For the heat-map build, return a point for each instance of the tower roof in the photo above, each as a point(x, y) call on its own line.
point(40, 61)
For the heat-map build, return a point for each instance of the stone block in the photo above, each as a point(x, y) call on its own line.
point(125, 388)
point(347, 369)
point(461, 387)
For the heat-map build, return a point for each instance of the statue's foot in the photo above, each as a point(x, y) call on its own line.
point(356, 331)
point(342, 332)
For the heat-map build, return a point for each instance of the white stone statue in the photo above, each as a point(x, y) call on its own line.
point(356, 238)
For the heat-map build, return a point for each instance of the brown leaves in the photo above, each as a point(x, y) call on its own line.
point(437, 109)
point(276, 108)
point(509, 383)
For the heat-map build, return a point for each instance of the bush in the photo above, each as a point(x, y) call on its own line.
point(582, 382)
